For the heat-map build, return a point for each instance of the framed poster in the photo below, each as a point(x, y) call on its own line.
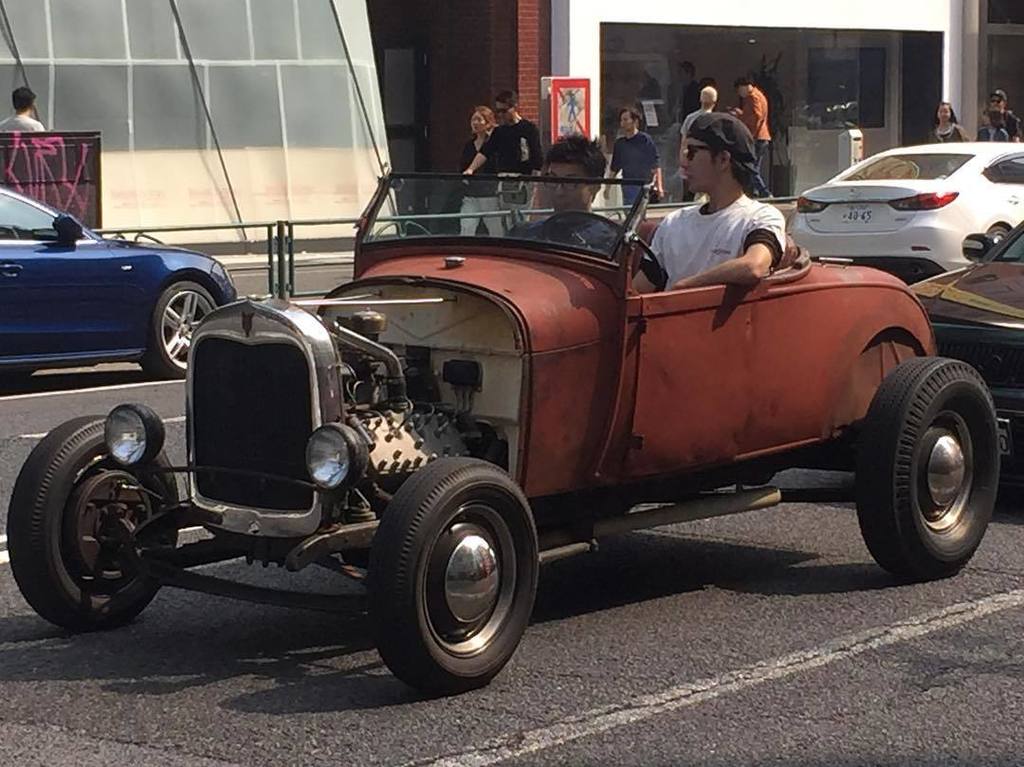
point(570, 107)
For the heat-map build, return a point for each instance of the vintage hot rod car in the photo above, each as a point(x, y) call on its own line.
point(470, 407)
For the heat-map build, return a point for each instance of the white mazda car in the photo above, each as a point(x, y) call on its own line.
point(907, 211)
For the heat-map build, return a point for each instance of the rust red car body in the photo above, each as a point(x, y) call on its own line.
point(624, 387)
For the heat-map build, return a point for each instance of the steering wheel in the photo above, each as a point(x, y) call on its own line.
point(407, 224)
point(565, 228)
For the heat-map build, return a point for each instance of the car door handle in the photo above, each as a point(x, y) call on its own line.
point(10, 270)
point(126, 267)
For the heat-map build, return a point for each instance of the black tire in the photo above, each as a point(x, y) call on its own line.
point(414, 622)
point(15, 378)
point(158, 360)
point(915, 527)
point(52, 581)
point(998, 232)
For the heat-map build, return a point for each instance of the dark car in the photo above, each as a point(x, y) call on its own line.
point(472, 406)
point(978, 316)
point(68, 297)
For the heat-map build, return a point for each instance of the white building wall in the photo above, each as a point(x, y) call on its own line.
point(576, 26)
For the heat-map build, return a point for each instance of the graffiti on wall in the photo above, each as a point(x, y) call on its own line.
point(59, 169)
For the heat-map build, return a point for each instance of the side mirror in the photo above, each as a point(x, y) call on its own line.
point(977, 246)
point(69, 231)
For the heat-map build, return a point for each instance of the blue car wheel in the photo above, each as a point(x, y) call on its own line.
point(180, 309)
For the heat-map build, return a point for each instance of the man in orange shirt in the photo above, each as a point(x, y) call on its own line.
point(753, 111)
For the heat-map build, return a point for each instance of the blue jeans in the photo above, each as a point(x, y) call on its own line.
point(760, 153)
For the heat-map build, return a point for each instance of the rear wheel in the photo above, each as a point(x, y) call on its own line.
point(998, 232)
point(70, 512)
point(927, 468)
point(453, 575)
point(180, 308)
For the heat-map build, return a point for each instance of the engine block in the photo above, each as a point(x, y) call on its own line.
point(404, 442)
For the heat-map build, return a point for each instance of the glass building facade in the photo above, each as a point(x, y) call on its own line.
point(210, 111)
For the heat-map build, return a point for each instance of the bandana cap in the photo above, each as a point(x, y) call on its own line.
point(725, 133)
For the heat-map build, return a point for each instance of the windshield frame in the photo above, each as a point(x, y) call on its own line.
point(632, 216)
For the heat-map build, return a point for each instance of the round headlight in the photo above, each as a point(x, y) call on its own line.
point(133, 434)
point(335, 454)
point(328, 457)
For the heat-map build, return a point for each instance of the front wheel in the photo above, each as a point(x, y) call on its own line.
point(70, 511)
point(927, 468)
point(178, 311)
point(453, 575)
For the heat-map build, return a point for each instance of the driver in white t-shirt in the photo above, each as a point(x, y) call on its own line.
point(732, 239)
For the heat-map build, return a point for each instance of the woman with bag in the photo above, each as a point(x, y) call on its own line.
point(480, 196)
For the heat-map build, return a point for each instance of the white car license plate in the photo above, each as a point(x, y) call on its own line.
point(1005, 436)
point(856, 214)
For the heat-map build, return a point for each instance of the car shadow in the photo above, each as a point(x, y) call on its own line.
point(59, 380)
point(187, 642)
point(651, 565)
point(163, 654)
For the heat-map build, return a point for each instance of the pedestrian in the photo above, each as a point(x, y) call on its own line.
point(514, 145)
point(995, 127)
point(24, 101)
point(708, 101)
point(947, 127)
point(753, 112)
point(997, 101)
point(690, 100)
point(480, 196)
point(636, 156)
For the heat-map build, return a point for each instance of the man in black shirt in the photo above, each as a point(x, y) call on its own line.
point(514, 144)
point(997, 101)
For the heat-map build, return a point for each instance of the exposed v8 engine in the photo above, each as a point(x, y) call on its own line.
point(395, 396)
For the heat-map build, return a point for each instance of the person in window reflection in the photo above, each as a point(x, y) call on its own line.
point(947, 127)
point(753, 111)
point(997, 102)
point(571, 222)
point(24, 101)
point(994, 128)
point(480, 196)
point(730, 240)
point(636, 155)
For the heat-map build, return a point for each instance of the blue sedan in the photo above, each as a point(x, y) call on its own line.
point(68, 297)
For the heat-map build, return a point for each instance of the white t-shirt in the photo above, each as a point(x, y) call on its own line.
point(20, 123)
point(688, 242)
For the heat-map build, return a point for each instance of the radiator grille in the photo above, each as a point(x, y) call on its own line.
point(999, 364)
point(251, 411)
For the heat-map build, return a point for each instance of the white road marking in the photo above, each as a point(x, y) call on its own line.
point(640, 708)
point(115, 387)
point(4, 557)
point(30, 643)
point(40, 435)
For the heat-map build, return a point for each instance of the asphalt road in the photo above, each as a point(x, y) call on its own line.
point(764, 638)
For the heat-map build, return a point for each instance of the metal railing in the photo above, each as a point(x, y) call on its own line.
point(280, 235)
point(147, 232)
